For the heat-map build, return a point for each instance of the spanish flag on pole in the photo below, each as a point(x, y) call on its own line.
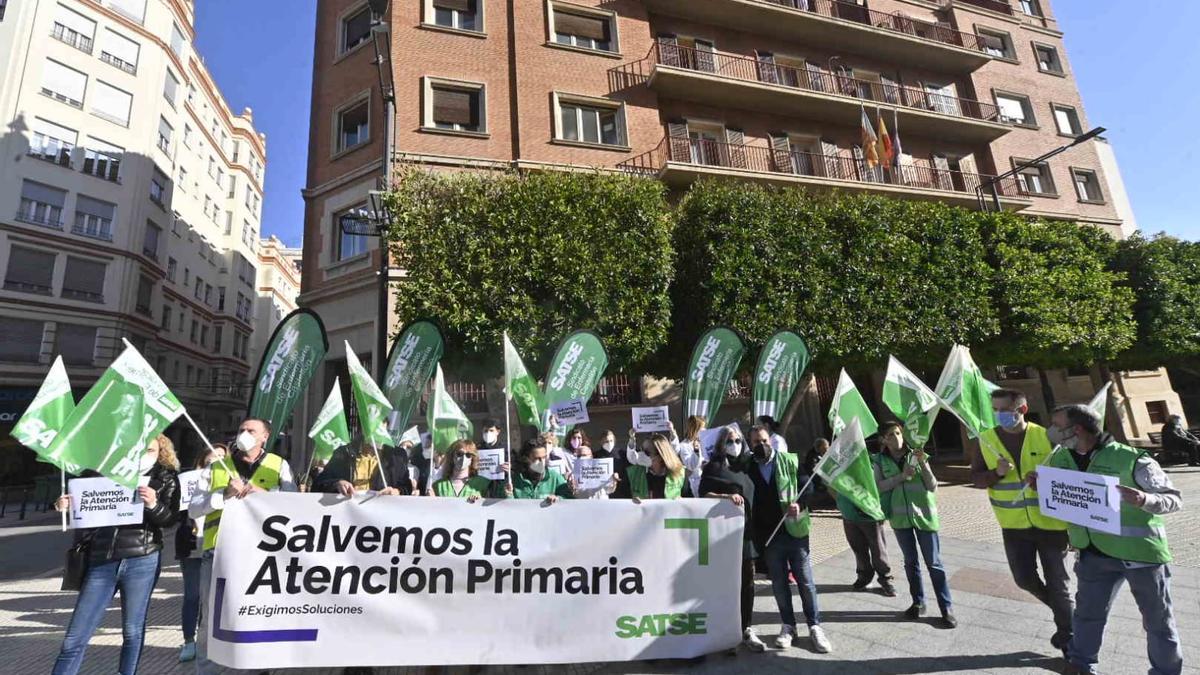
point(870, 141)
point(886, 152)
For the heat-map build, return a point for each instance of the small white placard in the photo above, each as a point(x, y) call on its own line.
point(1081, 498)
point(570, 413)
point(189, 482)
point(656, 418)
point(490, 461)
point(100, 502)
point(593, 474)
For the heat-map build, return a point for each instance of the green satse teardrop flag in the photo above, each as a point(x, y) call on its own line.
point(410, 364)
point(574, 371)
point(330, 431)
point(447, 422)
point(911, 402)
point(291, 359)
point(780, 365)
point(847, 405)
point(520, 386)
point(715, 359)
point(44, 417)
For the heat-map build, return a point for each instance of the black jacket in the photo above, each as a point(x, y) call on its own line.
point(131, 541)
point(341, 467)
point(767, 511)
point(185, 537)
point(727, 476)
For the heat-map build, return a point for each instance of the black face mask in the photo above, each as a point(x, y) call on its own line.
point(762, 452)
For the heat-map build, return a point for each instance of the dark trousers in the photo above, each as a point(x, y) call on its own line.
point(867, 541)
point(1024, 548)
point(747, 592)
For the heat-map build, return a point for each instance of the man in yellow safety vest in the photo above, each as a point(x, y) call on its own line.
point(257, 471)
point(1008, 454)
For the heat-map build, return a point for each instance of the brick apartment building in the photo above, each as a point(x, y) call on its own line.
point(760, 90)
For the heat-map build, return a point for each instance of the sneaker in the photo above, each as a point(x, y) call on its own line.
point(887, 589)
point(187, 652)
point(861, 583)
point(750, 641)
point(786, 635)
point(915, 611)
point(948, 620)
point(819, 640)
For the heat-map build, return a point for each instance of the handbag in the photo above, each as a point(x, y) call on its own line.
point(76, 565)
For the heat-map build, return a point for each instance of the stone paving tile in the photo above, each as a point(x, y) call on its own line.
point(1000, 630)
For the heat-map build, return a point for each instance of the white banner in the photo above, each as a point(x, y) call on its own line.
point(657, 418)
point(316, 581)
point(1088, 499)
point(490, 460)
point(101, 502)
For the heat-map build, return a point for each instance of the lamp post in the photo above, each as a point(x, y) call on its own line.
point(993, 181)
point(372, 222)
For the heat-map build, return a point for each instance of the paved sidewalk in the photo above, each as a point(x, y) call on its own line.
point(1001, 629)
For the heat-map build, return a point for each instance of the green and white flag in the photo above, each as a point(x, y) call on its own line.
point(715, 359)
point(330, 431)
point(410, 365)
point(1099, 402)
point(110, 428)
point(373, 406)
point(911, 401)
point(44, 417)
point(574, 372)
point(447, 422)
point(848, 405)
point(520, 386)
point(965, 392)
point(846, 467)
point(780, 364)
point(288, 364)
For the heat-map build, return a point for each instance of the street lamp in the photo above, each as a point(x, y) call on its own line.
point(372, 222)
point(993, 181)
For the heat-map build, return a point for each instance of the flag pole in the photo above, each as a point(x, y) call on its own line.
point(507, 420)
point(379, 462)
point(62, 483)
point(224, 458)
point(781, 520)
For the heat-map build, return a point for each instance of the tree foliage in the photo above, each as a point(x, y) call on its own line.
point(538, 255)
point(1164, 275)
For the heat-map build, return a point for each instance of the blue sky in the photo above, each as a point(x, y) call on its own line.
point(1136, 67)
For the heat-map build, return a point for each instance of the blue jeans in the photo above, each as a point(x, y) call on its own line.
point(1099, 580)
point(789, 554)
point(909, 539)
point(135, 578)
point(191, 597)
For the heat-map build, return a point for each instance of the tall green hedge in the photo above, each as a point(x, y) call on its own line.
point(1163, 273)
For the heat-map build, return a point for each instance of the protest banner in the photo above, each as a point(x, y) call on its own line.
point(101, 502)
point(1081, 498)
point(651, 419)
point(593, 474)
point(388, 576)
point(780, 365)
point(293, 354)
point(409, 366)
point(574, 372)
point(490, 460)
point(571, 412)
point(189, 482)
point(715, 359)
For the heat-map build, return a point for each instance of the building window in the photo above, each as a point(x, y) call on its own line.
point(1015, 109)
point(21, 340)
point(164, 135)
point(166, 317)
point(111, 104)
point(589, 121)
point(1031, 8)
point(178, 42)
point(119, 51)
point(144, 292)
point(1067, 120)
point(578, 27)
point(171, 89)
point(63, 84)
point(83, 280)
point(73, 28)
point(221, 299)
point(1047, 59)
point(172, 268)
point(29, 271)
point(356, 29)
point(41, 204)
point(1158, 412)
point(158, 188)
point(460, 14)
point(218, 333)
point(134, 9)
point(204, 336)
point(349, 245)
point(997, 43)
point(93, 218)
point(150, 241)
point(1035, 180)
point(76, 343)
point(52, 142)
point(195, 336)
point(102, 160)
point(455, 106)
point(353, 126)
point(1087, 186)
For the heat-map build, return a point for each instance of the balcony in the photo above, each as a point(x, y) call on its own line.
point(840, 26)
point(735, 81)
point(77, 40)
point(1000, 6)
point(681, 160)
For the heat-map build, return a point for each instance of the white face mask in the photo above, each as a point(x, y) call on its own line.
point(644, 459)
point(538, 466)
point(246, 441)
point(608, 446)
point(490, 437)
point(147, 463)
point(462, 464)
point(427, 451)
point(733, 448)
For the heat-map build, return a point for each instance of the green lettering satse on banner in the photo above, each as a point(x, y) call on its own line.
point(575, 370)
point(715, 359)
point(291, 359)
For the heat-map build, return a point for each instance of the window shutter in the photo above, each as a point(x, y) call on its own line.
point(593, 27)
point(112, 102)
point(736, 140)
point(21, 340)
point(668, 50)
point(43, 193)
point(63, 80)
point(767, 70)
point(29, 270)
point(459, 5)
point(781, 153)
point(967, 165)
point(452, 106)
point(816, 77)
point(177, 41)
point(52, 130)
point(133, 8)
point(171, 88)
point(76, 22)
point(891, 90)
point(941, 172)
point(76, 343)
point(95, 207)
point(83, 277)
point(705, 58)
point(680, 145)
point(121, 47)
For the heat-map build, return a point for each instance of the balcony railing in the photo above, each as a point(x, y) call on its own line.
point(812, 78)
point(1001, 6)
point(77, 40)
point(119, 63)
point(705, 152)
point(619, 389)
point(849, 11)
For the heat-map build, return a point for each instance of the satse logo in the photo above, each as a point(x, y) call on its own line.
point(565, 368)
point(290, 337)
point(705, 360)
point(772, 361)
point(406, 350)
